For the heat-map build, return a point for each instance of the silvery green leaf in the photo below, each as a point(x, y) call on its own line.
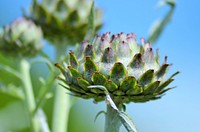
point(124, 118)
point(127, 122)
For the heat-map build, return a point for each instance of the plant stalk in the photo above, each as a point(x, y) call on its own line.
point(61, 100)
point(112, 123)
point(29, 95)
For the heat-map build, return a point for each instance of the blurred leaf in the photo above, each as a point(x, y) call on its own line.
point(45, 59)
point(159, 26)
point(10, 70)
point(91, 18)
point(7, 60)
point(44, 55)
point(44, 93)
point(45, 84)
point(12, 90)
point(91, 26)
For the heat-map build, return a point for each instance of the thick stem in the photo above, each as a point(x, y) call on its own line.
point(112, 123)
point(61, 100)
point(29, 95)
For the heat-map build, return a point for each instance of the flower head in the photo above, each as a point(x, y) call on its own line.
point(21, 38)
point(63, 20)
point(130, 72)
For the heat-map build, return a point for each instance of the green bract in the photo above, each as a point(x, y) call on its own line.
point(21, 38)
point(130, 72)
point(63, 20)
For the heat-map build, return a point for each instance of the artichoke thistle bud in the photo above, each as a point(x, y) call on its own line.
point(64, 20)
point(129, 71)
point(21, 38)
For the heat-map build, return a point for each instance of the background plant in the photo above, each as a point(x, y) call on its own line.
point(165, 43)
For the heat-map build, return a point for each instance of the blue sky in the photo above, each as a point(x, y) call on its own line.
point(179, 110)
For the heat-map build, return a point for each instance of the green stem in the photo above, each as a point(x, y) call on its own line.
point(62, 100)
point(29, 95)
point(112, 123)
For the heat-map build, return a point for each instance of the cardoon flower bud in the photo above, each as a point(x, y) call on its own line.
point(130, 72)
point(21, 38)
point(64, 20)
